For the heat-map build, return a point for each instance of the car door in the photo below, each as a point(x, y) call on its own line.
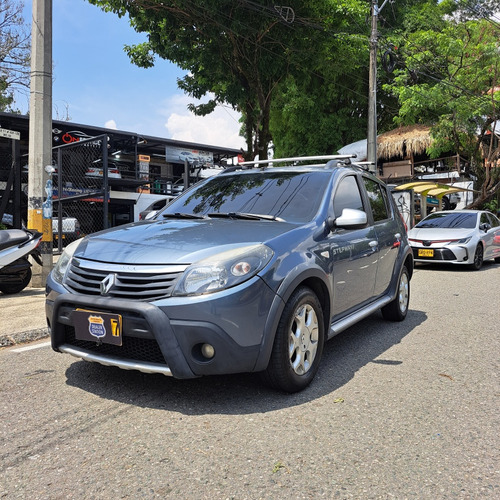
point(492, 236)
point(387, 230)
point(354, 252)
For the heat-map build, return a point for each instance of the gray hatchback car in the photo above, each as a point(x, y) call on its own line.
point(248, 271)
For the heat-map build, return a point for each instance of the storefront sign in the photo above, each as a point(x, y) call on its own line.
point(10, 134)
point(194, 157)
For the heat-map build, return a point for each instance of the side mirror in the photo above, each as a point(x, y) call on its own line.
point(351, 219)
point(151, 215)
point(485, 227)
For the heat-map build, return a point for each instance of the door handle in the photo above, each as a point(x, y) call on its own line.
point(373, 243)
point(397, 243)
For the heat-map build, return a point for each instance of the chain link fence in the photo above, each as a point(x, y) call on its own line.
point(80, 189)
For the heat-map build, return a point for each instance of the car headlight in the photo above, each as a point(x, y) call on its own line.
point(223, 270)
point(63, 261)
point(463, 241)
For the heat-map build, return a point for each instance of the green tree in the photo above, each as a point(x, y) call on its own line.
point(323, 105)
point(326, 108)
point(237, 51)
point(451, 80)
point(14, 53)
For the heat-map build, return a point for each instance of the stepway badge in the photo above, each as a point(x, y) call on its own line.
point(96, 327)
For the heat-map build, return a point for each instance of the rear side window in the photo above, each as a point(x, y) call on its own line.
point(347, 196)
point(378, 199)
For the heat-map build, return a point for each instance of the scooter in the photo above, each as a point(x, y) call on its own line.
point(15, 268)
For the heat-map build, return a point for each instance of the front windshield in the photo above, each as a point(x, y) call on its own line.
point(291, 196)
point(450, 220)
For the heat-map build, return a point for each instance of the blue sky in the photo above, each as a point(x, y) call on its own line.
point(96, 84)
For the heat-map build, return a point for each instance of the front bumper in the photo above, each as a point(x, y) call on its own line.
point(166, 336)
point(453, 254)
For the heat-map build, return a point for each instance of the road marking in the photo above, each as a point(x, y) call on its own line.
point(31, 347)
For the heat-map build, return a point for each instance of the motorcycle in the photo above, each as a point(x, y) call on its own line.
point(15, 268)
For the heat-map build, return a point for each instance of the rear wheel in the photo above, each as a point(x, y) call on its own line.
point(298, 344)
point(12, 288)
point(478, 258)
point(398, 308)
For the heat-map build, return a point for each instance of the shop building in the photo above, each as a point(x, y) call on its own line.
point(102, 177)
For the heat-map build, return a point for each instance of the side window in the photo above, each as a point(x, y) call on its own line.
point(484, 219)
point(347, 196)
point(378, 199)
point(493, 220)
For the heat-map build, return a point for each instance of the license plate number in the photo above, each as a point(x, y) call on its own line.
point(97, 326)
point(425, 252)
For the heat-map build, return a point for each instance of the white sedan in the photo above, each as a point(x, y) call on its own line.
point(456, 237)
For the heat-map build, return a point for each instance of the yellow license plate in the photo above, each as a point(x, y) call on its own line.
point(424, 252)
point(97, 326)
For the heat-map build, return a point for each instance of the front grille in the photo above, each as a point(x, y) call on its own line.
point(439, 254)
point(145, 283)
point(132, 348)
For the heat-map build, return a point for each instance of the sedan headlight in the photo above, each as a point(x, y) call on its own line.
point(463, 241)
point(63, 261)
point(223, 270)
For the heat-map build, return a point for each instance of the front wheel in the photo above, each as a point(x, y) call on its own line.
point(298, 344)
point(398, 308)
point(478, 258)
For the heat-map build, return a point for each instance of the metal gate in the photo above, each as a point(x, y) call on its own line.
point(12, 204)
point(80, 189)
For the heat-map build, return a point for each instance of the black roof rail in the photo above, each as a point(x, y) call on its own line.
point(368, 166)
point(295, 159)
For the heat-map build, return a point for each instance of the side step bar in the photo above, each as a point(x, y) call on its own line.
point(339, 326)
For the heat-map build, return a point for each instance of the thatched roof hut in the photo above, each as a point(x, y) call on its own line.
point(404, 142)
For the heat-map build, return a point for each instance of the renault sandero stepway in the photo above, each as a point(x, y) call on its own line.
point(251, 270)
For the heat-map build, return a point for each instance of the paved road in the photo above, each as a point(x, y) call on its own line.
point(397, 411)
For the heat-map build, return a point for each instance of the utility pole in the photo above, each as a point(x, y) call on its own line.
point(371, 152)
point(40, 135)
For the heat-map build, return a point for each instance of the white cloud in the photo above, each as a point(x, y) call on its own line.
point(220, 128)
point(111, 124)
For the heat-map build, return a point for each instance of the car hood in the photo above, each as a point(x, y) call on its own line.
point(432, 233)
point(176, 241)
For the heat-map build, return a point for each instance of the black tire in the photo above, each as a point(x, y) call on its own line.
point(298, 344)
point(12, 288)
point(497, 260)
point(398, 308)
point(478, 258)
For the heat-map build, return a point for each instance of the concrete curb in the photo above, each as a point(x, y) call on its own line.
point(23, 337)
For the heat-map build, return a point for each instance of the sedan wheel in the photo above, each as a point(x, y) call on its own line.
point(298, 344)
point(478, 258)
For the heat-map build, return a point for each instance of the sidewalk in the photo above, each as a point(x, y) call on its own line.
point(22, 317)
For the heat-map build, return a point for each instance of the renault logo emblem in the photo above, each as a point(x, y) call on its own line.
point(108, 283)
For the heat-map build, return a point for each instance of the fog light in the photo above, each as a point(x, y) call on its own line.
point(208, 351)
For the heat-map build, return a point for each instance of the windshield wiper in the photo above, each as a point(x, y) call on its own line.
point(178, 215)
point(243, 215)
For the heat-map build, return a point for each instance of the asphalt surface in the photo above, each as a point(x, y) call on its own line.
point(398, 410)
